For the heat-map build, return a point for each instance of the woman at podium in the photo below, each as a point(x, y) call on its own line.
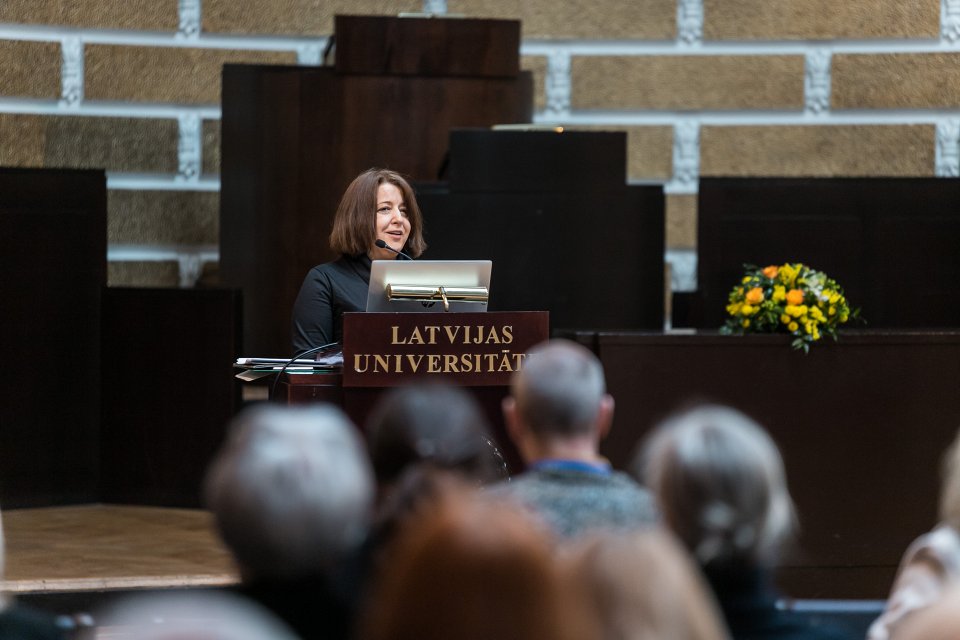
point(378, 219)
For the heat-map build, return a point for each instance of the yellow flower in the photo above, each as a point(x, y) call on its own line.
point(832, 311)
point(745, 280)
point(745, 323)
point(785, 319)
point(816, 314)
point(795, 311)
point(793, 326)
point(834, 296)
point(779, 293)
point(787, 274)
point(816, 333)
point(747, 309)
point(734, 308)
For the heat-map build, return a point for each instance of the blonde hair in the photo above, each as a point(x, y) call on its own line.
point(720, 484)
point(354, 225)
point(644, 586)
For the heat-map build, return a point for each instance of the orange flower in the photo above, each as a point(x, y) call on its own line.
point(754, 296)
point(771, 271)
point(795, 297)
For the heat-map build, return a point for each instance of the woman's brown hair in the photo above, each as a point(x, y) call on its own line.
point(354, 225)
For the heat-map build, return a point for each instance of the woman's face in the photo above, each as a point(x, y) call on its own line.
point(393, 226)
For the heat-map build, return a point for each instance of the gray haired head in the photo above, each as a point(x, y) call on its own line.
point(720, 484)
point(559, 390)
point(291, 490)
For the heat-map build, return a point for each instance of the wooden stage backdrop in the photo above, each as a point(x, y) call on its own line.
point(862, 425)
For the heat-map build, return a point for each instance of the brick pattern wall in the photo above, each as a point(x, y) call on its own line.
point(702, 87)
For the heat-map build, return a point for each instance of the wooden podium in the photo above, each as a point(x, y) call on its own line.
point(478, 351)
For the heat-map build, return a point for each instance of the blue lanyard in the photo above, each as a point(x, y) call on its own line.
point(598, 468)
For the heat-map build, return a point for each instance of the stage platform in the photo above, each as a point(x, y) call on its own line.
point(78, 555)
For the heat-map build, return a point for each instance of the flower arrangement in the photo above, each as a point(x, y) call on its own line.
point(790, 298)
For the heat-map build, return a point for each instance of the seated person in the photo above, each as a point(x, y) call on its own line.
point(177, 615)
point(931, 564)
point(556, 415)
point(471, 568)
point(939, 621)
point(419, 436)
point(291, 492)
point(720, 485)
point(379, 205)
point(643, 585)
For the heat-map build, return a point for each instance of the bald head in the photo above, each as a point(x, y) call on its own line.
point(560, 390)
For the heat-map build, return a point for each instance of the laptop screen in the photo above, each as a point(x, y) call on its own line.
point(444, 273)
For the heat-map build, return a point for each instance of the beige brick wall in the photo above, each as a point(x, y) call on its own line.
point(164, 74)
point(681, 221)
point(211, 146)
point(687, 82)
point(116, 144)
point(29, 69)
point(22, 140)
point(890, 81)
point(292, 17)
point(597, 20)
point(143, 274)
point(820, 19)
point(817, 151)
point(146, 15)
point(163, 217)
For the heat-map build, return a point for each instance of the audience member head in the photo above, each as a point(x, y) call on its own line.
point(471, 568)
point(939, 621)
point(291, 490)
point(197, 615)
point(558, 395)
point(355, 229)
point(438, 425)
point(720, 484)
point(950, 490)
point(643, 586)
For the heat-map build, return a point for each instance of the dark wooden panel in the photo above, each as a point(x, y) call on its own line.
point(168, 390)
point(538, 161)
point(294, 137)
point(52, 271)
point(890, 242)
point(862, 425)
point(382, 45)
point(591, 254)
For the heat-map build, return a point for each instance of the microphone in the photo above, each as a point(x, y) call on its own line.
point(383, 245)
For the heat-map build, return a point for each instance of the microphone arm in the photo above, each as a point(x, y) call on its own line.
point(383, 245)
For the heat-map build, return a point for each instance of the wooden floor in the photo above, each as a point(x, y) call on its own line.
point(106, 547)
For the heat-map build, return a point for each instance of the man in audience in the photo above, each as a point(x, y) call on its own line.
point(557, 413)
point(291, 491)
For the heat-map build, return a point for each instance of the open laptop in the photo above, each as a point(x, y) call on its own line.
point(446, 273)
